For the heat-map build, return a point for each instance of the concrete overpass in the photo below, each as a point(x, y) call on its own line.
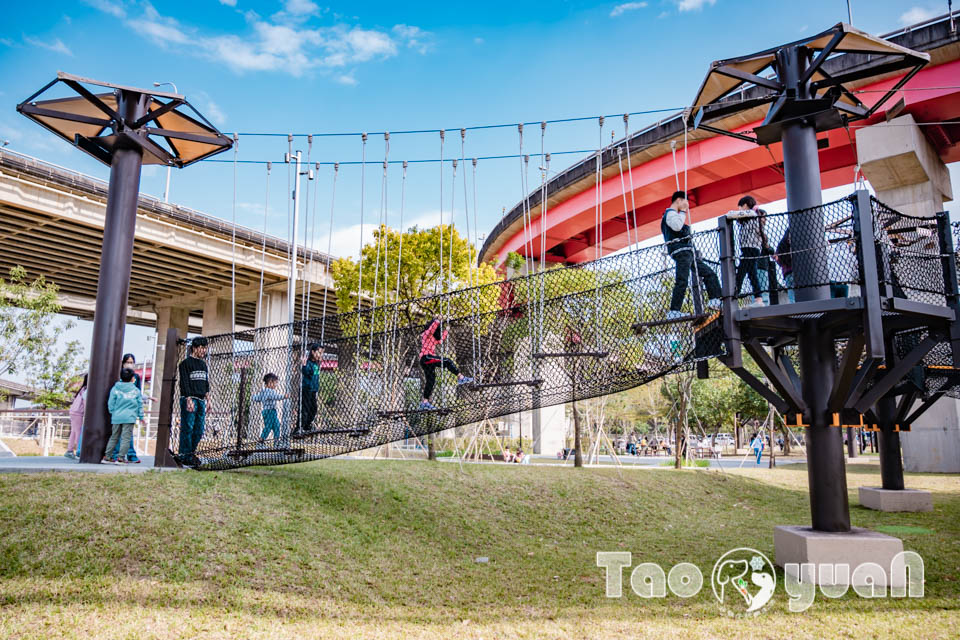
point(53, 226)
point(721, 169)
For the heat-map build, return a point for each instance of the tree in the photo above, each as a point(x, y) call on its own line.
point(26, 308)
point(29, 338)
point(418, 254)
point(55, 372)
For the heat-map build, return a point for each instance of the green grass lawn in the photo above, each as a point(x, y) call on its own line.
point(388, 549)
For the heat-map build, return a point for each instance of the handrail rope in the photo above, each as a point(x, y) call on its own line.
point(263, 248)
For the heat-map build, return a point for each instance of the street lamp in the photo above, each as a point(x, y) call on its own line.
point(166, 189)
point(124, 128)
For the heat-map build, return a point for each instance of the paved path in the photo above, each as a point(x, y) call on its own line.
point(41, 464)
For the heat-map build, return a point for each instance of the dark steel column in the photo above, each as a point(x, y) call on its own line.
point(826, 475)
point(891, 462)
point(113, 285)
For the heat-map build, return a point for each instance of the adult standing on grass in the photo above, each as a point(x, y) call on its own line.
point(194, 387)
point(125, 405)
point(129, 361)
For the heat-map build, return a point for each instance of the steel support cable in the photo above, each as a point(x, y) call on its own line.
point(476, 291)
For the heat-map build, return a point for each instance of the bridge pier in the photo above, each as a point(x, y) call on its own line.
point(907, 174)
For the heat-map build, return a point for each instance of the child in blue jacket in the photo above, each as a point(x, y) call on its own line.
point(125, 404)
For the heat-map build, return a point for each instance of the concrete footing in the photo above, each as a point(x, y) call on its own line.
point(868, 555)
point(895, 500)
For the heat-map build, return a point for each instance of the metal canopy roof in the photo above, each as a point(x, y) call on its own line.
point(168, 134)
point(829, 101)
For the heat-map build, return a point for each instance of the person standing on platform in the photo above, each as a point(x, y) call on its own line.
point(677, 235)
point(752, 242)
point(309, 387)
point(194, 386)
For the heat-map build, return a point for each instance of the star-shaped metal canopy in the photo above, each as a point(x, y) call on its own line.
point(738, 84)
point(169, 130)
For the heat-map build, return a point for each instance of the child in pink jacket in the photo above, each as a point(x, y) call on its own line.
point(431, 339)
point(76, 420)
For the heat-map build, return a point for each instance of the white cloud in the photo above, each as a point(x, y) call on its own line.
point(300, 7)
point(347, 79)
point(345, 241)
point(209, 108)
point(282, 43)
point(917, 14)
point(229, 3)
point(626, 6)
point(414, 37)
point(693, 5)
point(113, 8)
point(56, 46)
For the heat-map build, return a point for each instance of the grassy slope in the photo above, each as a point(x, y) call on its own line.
point(387, 549)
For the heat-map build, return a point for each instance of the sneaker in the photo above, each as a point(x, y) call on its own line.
point(465, 380)
point(427, 405)
point(120, 462)
point(133, 460)
point(71, 455)
point(108, 461)
point(673, 315)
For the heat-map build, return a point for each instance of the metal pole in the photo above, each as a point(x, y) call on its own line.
point(166, 189)
point(292, 284)
point(891, 463)
point(162, 457)
point(826, 476)
point(849, 13)
point(113, 285)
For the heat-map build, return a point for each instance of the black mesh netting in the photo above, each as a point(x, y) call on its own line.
point(566, 333)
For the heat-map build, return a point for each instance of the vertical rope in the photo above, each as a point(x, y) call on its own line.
point(263, 247)
point(306, 227)
point(356, 367)
point(326, 272)
point(233, 243)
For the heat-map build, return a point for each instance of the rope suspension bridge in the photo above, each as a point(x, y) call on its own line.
point(572, 333)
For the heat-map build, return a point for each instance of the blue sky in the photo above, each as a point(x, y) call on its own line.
point(299, 66)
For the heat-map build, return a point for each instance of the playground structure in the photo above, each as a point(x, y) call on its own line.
point(601, 326)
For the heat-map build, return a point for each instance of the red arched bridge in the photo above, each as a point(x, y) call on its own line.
point(720, 169)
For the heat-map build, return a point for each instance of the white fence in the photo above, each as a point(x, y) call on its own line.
point(45, 426)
